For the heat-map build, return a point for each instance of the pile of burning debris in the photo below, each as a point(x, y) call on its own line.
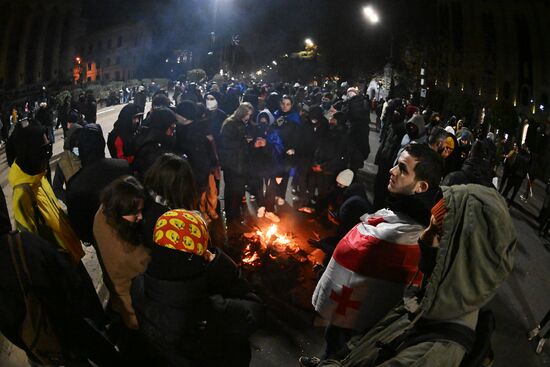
point(273, 262)
point(261, 247)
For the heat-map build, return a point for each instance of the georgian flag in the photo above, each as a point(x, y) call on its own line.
point(368, 271)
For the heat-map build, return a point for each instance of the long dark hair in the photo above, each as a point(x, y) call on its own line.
point(172, 178)
point(123, 197)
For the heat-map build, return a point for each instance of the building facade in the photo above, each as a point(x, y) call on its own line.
point(497, 49)
point(37, 42)
point(114, 53)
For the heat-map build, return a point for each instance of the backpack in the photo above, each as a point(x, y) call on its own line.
point(37, 331)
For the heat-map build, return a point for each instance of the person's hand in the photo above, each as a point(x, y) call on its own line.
point(209, 256)
point(290, 152)
point(317, 168)
point(432, 233)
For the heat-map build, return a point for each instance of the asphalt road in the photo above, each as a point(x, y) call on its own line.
point(520, 303)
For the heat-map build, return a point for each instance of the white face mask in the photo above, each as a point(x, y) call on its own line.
point(211, 105)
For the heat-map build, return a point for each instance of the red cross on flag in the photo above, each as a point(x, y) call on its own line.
point(368, 271)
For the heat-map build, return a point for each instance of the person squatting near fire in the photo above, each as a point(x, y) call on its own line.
point(377, 258)
point(435, 325)
point(192, 305)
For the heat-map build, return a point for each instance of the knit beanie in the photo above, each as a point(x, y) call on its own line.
point(187, 109)
point(182, 230)
point(345, 178)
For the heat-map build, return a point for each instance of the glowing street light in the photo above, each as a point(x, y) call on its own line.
point(371, 14)
point(274, 62)
point(309, 42)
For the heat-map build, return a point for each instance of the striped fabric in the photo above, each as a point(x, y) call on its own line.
point(368, 270)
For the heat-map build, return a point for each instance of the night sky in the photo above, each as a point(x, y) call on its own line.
point(272, 28)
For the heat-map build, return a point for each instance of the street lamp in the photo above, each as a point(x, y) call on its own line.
point(309, 42)
point(371, 14)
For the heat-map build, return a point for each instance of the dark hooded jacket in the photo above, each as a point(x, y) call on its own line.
point(357, 111)
point(121, 138)
point(84, 188)
point(195, 313)
point(476, 169)
point(476, 226)
point(152, 141)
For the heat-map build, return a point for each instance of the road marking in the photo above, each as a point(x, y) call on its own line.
point(103, 111)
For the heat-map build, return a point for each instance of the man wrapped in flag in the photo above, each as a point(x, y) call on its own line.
point(373, 263)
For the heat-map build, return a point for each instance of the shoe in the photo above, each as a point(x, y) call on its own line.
point(272, 217)
point(531, 334)
point(309, 361)
point(540, 345)
point(261, 212)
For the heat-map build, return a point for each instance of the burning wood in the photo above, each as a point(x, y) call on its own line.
point(270, 245)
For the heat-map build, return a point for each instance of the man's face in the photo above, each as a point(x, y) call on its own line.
point(402, 176)
point(286, 105)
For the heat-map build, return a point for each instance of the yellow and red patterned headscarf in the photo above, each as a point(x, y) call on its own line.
point(182, 230)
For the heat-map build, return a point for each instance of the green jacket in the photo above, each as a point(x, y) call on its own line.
point(475, 256)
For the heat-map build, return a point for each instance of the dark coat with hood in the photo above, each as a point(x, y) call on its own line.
point(120, 139)
point(357, 111)
point(195, 313)
point(152, 141)
point(312, 135)
point(476, 169)
point(84, 188)
point(283, 135)
point(261, 159)
point(234, 149)
point(192, 142)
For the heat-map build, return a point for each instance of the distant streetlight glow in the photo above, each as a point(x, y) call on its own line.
point(274, 62)
point(371, 14)
point(309, 42)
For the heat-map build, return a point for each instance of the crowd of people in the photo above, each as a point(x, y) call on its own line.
point(177, 299)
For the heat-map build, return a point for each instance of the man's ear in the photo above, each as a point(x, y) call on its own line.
point(421, 186)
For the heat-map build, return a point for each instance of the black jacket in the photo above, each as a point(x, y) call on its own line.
point(191, 141)
point(261, 159)
point(332, 152)
point(201, 316)
point(84, 189)
point(234, 147)
point(148, 146)
point(357, 111)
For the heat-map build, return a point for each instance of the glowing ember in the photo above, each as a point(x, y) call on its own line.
point(269, 242)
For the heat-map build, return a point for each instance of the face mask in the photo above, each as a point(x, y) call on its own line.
point(211, 105)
